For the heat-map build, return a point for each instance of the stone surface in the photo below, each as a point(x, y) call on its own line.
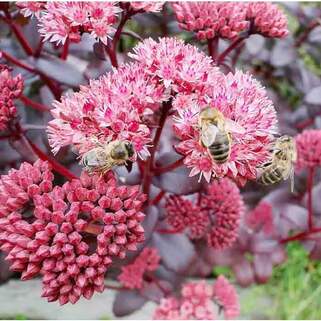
point(23, 298)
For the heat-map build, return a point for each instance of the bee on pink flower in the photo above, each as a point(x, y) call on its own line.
point(243, 104)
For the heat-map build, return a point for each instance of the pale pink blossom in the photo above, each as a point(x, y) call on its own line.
point(242, 100)
point(268, 19)
point(110, 108)
point(60, 21)
point(70, 234)
point(132, 275)
point(212, 19)
point(308, 145)
point(10, 88)
point(31, 8)
point(147, 6)
point(180, 67)
point(226, 296)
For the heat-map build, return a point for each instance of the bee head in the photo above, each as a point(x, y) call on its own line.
point(130, 149)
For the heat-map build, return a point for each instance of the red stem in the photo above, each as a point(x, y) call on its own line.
point(114, 287)
point(112, 55)
point(158, 198)
point(17, 62)
point(166, 231)
point(304, 35)
point(150, 162)
point(20, 36)
point(39, 48)
point(33, 104)
point(168, 168)
point(62, 170)
point(301, 235)
point(310, 204)
point(212, 45)
point(65, 50)
point(232, 46)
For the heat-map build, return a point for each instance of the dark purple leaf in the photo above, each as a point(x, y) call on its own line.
point(278, 255)
point(31, 33)
point(243, 272)
point(5, 273)
point(150, 221)
point(63, 71)
point(127, 302)
point(314, 96)
point(176, 250)
point(263, 267)
point(99, 50)
point(262, 245)
point(152, 292)
point(283, 53)
point(255, 44)
point(315, 35)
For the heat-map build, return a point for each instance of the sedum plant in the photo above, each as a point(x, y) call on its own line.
point(139, 160)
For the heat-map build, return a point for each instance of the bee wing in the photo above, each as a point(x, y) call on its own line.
point(233, 126)
point(208, 135)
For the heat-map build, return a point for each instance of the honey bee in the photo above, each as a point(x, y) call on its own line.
point(216, 133)
point(281, 165)
point(102, 158)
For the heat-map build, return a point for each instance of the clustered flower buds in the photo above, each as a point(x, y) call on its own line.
point(10, 89)
point(309, 149)
point(132, 275)
point(200, 301)
point(215, 217)
point(49, 230)
point(228, 19)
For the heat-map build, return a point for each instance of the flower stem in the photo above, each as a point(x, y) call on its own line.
point(165, 231)
point(150, 162)
point(310, 204)
point(65, 50)
point(212, 45)
point(300, 236)
point(158, 198)
point(62, 170)
point(232, 46)
point(170, 167)
point(18, 33)
point(304, 35)
point(33, 104)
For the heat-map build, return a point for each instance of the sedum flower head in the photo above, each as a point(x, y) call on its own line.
point(212, 19)
point(182, 215)
point(308, 145)
point(261, 218)
point(229, 19)
point(200, 301)
point(31, 8)
point(110, 108)
point(60, 21)
point(215, 219)
point(242, 100)
point(226, 296)
point(267, 19)
point(179, 66)
point(67, 234)
point(10, 88)
point(132, 275)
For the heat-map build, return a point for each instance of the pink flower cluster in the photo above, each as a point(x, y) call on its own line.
point(62, 21)
point(267, 19)
point(228, 19)
point(10, 88)
point(178, 66)
point(147, 6)
point(212, 19)
point(215, 218)
point(31, 8)
point(200, 301)
point(242, 100)
point(110, 108)
point(132, 275)
point(308, 145)
point(261, 218)
point(47, 230)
